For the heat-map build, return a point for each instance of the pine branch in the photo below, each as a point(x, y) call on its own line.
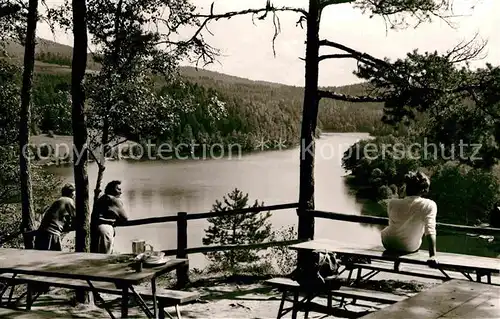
point(269, 8)
point(119, 142)
point(95, 158)
point(326, 3)
point(335, 56)
point(361, 56)
point(467, 50)
point(349, 98)
point(261, 12)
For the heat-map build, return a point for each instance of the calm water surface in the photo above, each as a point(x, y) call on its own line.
point(159, 188)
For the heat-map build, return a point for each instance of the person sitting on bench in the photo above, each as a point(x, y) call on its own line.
point(410, 218)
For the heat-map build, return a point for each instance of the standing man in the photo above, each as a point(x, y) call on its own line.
point(57, 219)
point(108, 212)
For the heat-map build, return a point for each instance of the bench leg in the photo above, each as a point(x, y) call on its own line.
point(97, 297)
point(358, 277)
point(142, 303)
point(295, 309)
point(396, 265)
point(12, 287)
point(480, 274)
point(282, 304)
point(348, 284)
point(162, 312)
point(4, 289)
point(309, 298)
point(169, 315)
point(155, 301)
point(29, 297)
point(124, 305)
point(329, 301)
point(178, 312)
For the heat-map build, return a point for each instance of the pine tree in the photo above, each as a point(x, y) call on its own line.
point(241, 229)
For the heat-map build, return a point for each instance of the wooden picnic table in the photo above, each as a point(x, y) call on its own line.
point(116, 269)
point(458, 299)
point(466, 264)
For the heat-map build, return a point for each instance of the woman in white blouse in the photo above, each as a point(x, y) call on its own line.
point(410, 218)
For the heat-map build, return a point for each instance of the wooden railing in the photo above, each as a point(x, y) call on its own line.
point(372, 220)
point(182, 218)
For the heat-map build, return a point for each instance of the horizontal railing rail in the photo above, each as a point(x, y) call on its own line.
point(148, 221)
point(242, 211)
point(174, 218)
point(207, 249)
point(373, 220)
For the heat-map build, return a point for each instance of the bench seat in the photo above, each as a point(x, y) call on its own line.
point(389, 268)
point(345, 292)
point(287, 285)
point(165, 297)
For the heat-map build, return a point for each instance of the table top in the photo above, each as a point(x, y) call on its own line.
point(87, 266)
point(456, 299)
point(446, 260)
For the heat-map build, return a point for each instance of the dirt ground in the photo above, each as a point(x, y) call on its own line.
point(220, 298)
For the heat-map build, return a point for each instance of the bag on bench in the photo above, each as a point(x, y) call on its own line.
point(320, 274)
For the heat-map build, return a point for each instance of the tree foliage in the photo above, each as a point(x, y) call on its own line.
point(461, 104)
point(464, 195)
point(44, 183)
point(378, 166)
point(9, 100)
point(13, 16)
point(240, 229)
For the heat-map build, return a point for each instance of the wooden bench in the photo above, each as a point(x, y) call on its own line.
point(467, 265)
point(288, 286)
point(165, 297)
point(377, 267)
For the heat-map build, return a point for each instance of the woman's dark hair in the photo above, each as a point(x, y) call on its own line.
point(417, 183)
point(67, 190)
point(111, 187)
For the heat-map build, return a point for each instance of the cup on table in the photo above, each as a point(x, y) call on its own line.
point(138, 246)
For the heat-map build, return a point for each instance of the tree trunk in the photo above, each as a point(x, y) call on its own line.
point(309, 115)
point(79, 65)
point(27, 223)
point(80, 159)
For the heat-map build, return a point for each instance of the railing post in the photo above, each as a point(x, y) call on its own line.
point(182, 272)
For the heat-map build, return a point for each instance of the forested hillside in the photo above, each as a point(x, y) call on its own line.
point(255, 109)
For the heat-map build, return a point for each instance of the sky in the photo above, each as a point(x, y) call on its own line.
point(246, 46)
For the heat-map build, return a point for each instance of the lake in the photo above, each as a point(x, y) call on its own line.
point(165, 187)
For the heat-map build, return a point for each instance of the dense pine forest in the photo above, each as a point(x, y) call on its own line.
point(253, 110)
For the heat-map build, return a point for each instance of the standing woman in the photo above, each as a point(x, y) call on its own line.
point(108, 212)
